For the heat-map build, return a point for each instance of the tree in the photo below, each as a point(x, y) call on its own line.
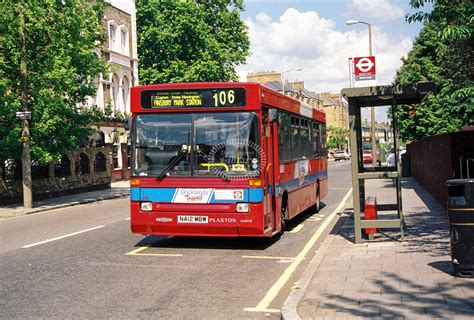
point(60, 65)
point(190, 40)
point(443, 54)
point(337, 137)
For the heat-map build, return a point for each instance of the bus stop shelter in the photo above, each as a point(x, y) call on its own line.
point(368, 97)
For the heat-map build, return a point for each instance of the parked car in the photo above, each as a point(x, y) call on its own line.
point(341, 155)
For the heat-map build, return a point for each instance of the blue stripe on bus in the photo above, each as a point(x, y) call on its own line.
point(167, 195)
point(256, 195)
point(135, 194)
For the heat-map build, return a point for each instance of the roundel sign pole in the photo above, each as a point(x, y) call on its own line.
point(364, 76)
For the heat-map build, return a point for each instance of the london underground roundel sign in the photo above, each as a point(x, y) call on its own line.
point(364, 66)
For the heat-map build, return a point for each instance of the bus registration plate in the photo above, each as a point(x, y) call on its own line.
point(192, 219)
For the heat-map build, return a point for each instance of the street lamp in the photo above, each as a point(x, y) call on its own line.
point(372, 109)
point(352, 22)
point(281, 75)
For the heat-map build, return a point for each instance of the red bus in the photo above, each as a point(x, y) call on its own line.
point(223, 159)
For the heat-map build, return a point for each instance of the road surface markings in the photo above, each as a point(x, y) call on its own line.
point(268, 257)
point(61, 237)
point(314, 219)
point(296, 229)
point(137, 252)
point(279, 284)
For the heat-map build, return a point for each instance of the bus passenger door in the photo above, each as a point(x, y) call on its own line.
point(269, 202)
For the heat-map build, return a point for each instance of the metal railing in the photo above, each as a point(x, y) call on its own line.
point(466, 167)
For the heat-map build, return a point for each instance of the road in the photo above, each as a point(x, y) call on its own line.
point(83, 262)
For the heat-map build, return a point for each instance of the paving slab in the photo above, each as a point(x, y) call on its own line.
point(386, 278)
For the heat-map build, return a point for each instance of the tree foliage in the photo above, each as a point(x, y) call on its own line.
point(60, 36)
point(443, 54)
point(337, 137)
point(190, 40)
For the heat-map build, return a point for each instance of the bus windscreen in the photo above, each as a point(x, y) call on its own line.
point(196, 144)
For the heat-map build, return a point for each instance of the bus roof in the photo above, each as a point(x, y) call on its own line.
point(255, 95)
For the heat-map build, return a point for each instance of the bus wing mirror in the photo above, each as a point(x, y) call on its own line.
point(272, 115)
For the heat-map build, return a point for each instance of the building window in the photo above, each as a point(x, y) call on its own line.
point(112, 30)
point(125, 90)
point(116, 156)
point(129, 155)
point(124, 41)
point(114, 93)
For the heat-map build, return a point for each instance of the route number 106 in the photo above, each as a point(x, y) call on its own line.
point(223, 98)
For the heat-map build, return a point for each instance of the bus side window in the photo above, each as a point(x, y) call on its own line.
point(316, 139)
point(284, 148)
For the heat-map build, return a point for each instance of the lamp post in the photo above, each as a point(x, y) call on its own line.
point(281, 75)
point(25, 117)
point(372, 109)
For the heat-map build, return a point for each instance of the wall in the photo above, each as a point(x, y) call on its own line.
point(11, 191)
point(435, 159)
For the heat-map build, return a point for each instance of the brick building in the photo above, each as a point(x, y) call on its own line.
point(337, 113)
point(296, 89)
point(113, 89)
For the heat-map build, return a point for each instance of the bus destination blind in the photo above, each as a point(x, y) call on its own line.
point(193, 98)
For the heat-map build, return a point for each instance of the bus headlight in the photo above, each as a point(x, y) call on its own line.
point(242, 207)
point(146, 206)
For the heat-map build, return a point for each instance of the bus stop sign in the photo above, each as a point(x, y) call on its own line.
point(365, 67)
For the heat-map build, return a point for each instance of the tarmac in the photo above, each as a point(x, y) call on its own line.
point(382, 279)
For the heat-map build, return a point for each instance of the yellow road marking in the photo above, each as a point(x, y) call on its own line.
point(278, 285)
point(267, 257)
point(136, 252)
point(297, 228)
point(158, 254)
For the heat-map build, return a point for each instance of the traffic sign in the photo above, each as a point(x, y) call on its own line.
point(23, 115)
point(364, 72)
point(364, 66)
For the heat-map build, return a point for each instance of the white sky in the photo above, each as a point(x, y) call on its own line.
point(312, 35)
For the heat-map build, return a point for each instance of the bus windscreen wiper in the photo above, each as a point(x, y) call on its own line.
point(174, 162)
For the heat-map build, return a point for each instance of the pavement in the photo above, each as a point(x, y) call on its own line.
point(386, 278)
point(383, 279)
point(118, 189)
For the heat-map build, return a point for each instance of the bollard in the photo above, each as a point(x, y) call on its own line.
point(370, 213)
